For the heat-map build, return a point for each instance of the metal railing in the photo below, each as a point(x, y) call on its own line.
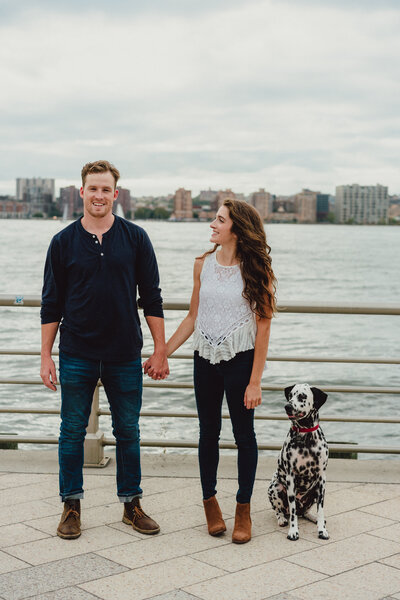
point(96, 440)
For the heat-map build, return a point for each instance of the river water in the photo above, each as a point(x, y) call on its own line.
point(313, 263)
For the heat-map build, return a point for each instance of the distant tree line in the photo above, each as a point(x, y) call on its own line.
point(152, 213)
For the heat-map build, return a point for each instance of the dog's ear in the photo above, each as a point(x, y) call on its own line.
point(288, 390)
point(319, 397)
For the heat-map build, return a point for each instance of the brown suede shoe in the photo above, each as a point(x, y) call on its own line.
point(242, 529)
point(215, 522)
point(69, 527)
point(135, 516)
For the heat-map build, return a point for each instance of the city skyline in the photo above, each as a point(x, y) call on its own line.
point(76, 182)
point(35, 198)
point(251, 94)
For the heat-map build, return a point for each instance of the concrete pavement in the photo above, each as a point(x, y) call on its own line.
point(361, 560)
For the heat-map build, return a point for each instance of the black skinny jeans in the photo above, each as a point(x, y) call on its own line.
point(210, 383)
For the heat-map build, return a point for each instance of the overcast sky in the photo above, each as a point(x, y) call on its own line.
point(279, 94)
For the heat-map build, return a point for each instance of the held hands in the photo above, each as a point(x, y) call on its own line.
point(252, 396)
point(48, 373)
point(156, 366)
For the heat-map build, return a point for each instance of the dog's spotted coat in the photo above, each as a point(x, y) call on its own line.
point(299, 480)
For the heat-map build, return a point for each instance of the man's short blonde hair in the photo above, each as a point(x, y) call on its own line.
point(99, 166)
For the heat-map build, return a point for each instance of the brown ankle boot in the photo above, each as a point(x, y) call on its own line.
point(215, 522)
point(242, 529)
point(69, 527)
point(135, 516)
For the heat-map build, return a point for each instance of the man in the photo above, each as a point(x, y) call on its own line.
point(93, 270)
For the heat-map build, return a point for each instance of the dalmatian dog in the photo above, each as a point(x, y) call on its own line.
point(299, 480)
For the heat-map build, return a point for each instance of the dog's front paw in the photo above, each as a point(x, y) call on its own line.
point(323, 534)
point(293, 536)
point(282, 521)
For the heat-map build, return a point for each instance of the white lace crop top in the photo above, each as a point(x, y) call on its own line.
point(225, 323)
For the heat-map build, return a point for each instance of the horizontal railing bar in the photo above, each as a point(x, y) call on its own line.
point(272, 358)
point(193, 415)
point(271, 417)
point(361, 308)
point(30, 411)
point(162, 443)
point(317, 359)
point(347, 448)
point(23, 439)
point(344, 389)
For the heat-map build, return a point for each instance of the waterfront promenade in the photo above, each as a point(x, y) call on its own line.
point(361, 560)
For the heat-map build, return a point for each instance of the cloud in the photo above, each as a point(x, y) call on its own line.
point(269, 94)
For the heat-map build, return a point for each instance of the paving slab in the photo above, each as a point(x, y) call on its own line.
point(391, 532)
point(27, 510)
point(175, 595)
point(149, 581)
point(180, 518)
point(10, 535)
point(69, 593)
point(256, 583)
point(159, 548)
point(284, 596)
point(12, 480)
point(55, 548)
point(393, 561)
point(22, 493)
point(263, 549)
point(165, 501)
point(354, 498)
point(154, 485)
point(9, 563)
point(345, 525)
point(346, 554)
point(389, 509)
point(370, 582)
point(58, 575)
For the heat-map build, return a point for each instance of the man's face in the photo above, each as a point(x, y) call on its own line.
point(98, 194)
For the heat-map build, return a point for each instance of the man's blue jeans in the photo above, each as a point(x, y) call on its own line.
point(123, 386)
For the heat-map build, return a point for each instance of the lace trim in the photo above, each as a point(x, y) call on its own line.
point(224, 336)
point(240, 339)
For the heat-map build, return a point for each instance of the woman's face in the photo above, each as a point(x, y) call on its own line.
point(221, 228)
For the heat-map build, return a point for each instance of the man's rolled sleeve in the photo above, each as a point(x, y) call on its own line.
point(148, 280)
point(53, 287)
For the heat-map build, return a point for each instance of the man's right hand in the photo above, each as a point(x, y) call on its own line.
point(48, 373)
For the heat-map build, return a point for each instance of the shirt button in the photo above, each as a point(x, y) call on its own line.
point(97, 241)
point(93, 236)
point(102, 254)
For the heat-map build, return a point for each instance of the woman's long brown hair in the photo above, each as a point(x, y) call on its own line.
point(254, 254)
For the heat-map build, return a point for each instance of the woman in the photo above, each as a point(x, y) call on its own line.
point(230, 313)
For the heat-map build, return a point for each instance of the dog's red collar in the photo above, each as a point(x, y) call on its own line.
point(303, 429)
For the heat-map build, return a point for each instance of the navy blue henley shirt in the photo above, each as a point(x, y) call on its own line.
point(91, 288)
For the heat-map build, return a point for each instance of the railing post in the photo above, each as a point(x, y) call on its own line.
point(94, 449)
